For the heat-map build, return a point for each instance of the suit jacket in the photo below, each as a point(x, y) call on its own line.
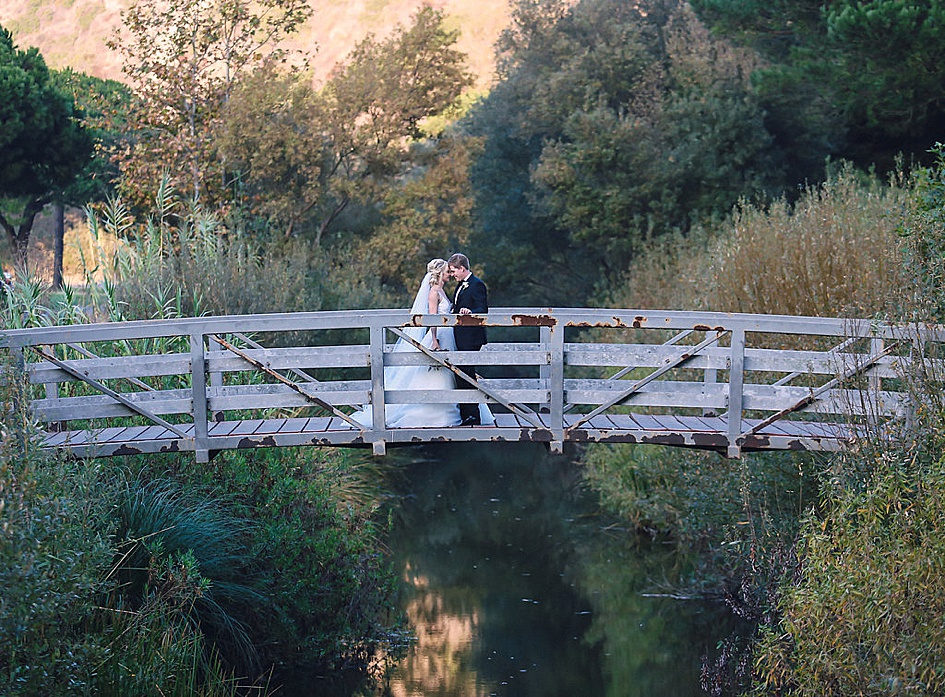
point(471, 294)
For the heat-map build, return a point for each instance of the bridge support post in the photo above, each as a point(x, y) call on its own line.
point(198, 367)
point(544, 370)
point(556, 387)
point(736, 383)
point(378, 407)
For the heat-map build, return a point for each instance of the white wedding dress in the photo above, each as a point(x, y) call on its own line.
point(422, 377)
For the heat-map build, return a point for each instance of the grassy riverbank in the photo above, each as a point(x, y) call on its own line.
point(834, 560)
point(153, 575)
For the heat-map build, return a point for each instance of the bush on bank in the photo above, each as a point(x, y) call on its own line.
point(153, 576)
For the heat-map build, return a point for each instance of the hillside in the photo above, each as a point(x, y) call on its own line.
point(72, 33)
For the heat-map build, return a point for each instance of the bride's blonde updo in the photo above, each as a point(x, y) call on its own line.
point(437, 270)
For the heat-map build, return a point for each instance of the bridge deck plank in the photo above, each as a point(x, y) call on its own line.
point(222, 428)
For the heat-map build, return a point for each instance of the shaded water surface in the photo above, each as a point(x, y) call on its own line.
point(514, 585)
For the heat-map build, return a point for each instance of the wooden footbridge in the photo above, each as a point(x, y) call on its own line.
point(724, 382)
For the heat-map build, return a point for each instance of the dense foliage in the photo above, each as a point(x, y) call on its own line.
point(611, 126)
point(830, 559)
point(153, 576)
point(669, 154)
point(183, 60)
point(845, 79)
point(834, 251)
point(42, 144)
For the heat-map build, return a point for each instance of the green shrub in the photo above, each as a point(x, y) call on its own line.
point(54, 550)
point(924, 231)
point(863, 616)
point(699, 499)
point(67, 623)
point(315, 550)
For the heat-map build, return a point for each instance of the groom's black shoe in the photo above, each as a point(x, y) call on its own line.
point(470, 421)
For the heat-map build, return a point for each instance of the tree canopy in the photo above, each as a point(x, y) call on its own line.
point(849, 79)
point(612, 125)
point(183, 59)
point(306, 155)
point(43, 144)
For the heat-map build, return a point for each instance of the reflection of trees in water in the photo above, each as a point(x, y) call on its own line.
point(653, 645)
point(437, 665)
point(512, 587)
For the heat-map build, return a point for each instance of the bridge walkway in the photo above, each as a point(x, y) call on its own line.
point(706, 433)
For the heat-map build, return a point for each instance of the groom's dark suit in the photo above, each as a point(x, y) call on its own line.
point(473, 295)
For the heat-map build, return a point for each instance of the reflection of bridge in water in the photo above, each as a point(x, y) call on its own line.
point(724, 382)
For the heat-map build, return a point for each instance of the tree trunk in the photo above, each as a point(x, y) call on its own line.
point(59, 234)
point(20, 237)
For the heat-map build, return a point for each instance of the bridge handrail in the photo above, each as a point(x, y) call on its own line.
point(511, 317)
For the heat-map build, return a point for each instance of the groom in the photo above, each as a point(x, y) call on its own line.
point(471, 297)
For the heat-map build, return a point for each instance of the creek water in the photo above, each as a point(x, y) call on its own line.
point(515, 584)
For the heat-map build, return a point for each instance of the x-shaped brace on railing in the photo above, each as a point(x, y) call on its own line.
point(137, 408)
point(528, 415)
point(681, 359)
point(630, 368)
point(253, 344)
point(285, 381)
point(815, 394)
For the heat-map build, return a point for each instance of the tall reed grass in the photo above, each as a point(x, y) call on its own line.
point(835, 252)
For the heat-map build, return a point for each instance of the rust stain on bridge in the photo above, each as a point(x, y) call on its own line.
point(530, 321)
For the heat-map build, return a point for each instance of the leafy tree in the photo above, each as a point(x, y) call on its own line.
point(270, 137)
point(613, 125)
point(376, 105)
point(428, 216)
point(514, 121)
point(43, 144)
point(857, 80)
point(304, 156)
point(183, 59)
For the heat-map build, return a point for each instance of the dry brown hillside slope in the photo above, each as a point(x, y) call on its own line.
point(72, 33)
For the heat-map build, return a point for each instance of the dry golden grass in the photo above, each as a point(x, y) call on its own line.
point(72, 33)
point(80, 248)
point(834, 253)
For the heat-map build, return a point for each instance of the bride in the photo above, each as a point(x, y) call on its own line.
point(431, 299)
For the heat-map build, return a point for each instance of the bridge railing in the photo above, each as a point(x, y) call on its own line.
point(556, 370)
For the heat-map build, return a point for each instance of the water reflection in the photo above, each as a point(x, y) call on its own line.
point(513, 586)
